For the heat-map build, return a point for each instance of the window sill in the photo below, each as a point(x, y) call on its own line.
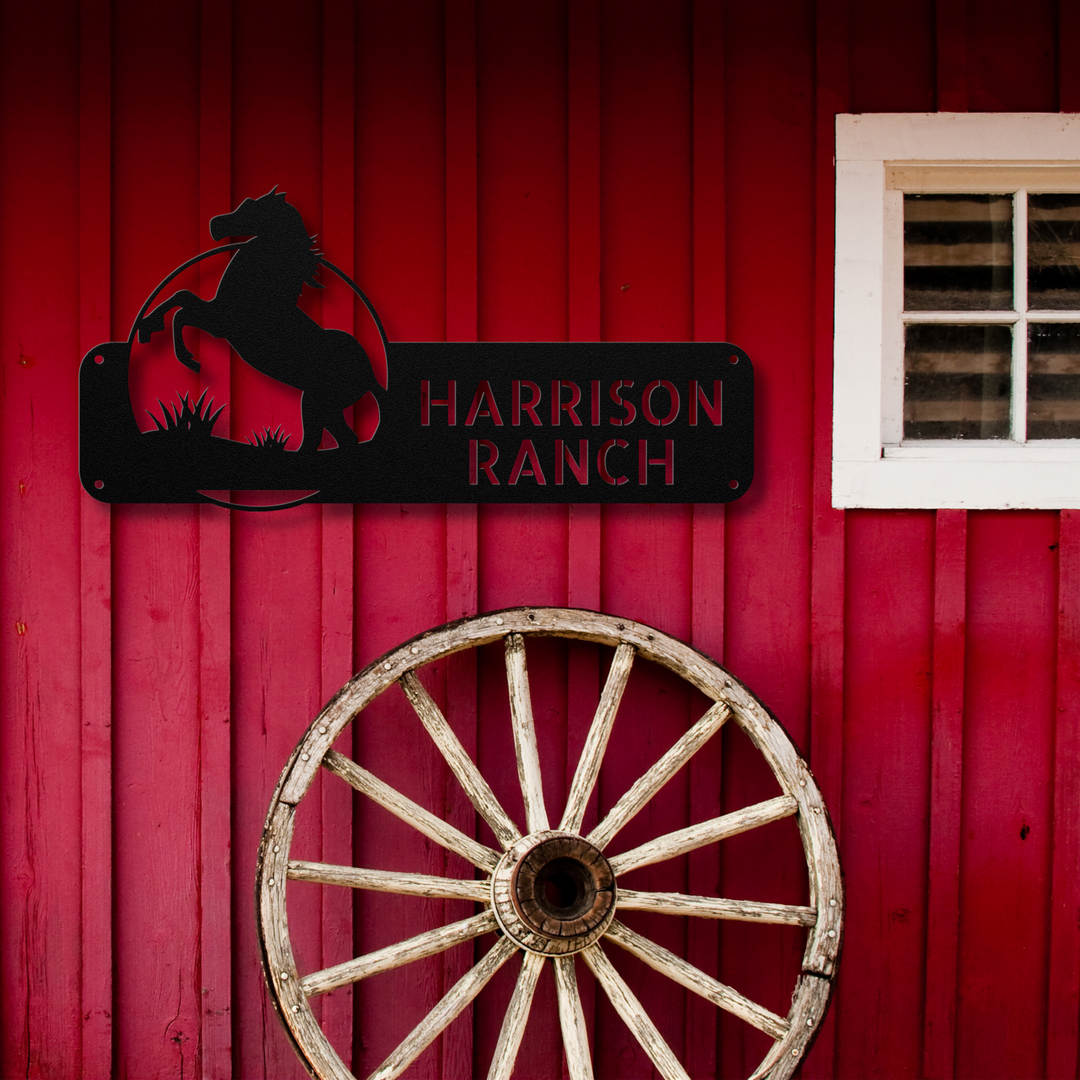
point(1044, 451)
point(972, 476)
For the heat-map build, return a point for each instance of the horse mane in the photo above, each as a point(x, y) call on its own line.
point(287, 227)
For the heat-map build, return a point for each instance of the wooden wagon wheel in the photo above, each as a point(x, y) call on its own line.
point(551, 893)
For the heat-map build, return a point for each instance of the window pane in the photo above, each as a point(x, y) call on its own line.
point(957, 381)
point(1054, 252)
point(958, 252)
point(1053, 381)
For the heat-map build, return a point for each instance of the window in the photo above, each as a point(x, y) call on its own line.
point(957, 336)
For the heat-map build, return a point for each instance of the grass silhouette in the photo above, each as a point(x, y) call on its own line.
point(192, 423)
point(269, 440)
point(185, 420)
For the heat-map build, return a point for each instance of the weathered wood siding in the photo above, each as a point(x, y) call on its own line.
point(622, 170)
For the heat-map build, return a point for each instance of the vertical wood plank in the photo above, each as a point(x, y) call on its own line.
point(215, 573)
point(647, 294)
point(40, 556)
point(583, 170)
point(943, 904)
point(891, 57)
point(461, 709)
point(952, 61)
point(1064, 983)
point(1006, 850)
point(827, 543)
point(338, 235)
point(584, 520)
point(277, 89)
point(583, 557)
point(155, 556)
point(827, 550)
point(461, 520)
point(523, 140)
point(95, 526)
point(583, 310)
point(770, 150)
point(1068, 51)
point(1018, 76)
point(461, 206)
point(886, 793)
point(709, 173)
point(707, 571)
point(707, 525)
point(584, 672)
point(401, 566)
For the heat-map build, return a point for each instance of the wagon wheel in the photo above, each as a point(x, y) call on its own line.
point(552, 893)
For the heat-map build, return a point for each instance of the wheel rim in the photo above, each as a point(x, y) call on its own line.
point(551, 893)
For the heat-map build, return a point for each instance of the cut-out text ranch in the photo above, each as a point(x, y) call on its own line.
point(563, 403)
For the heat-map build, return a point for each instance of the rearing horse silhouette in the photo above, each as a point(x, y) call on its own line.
point(255, 310)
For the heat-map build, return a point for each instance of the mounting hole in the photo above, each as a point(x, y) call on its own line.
point(733, 484)
point(99, 359)
point(99, 484)
point(733, 358)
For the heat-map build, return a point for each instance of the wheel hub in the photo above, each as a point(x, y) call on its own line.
point(553, 893)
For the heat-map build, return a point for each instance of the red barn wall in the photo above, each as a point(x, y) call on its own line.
point(626, 171)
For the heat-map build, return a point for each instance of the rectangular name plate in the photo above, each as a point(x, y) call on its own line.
point(574, 422)
point(463, 422)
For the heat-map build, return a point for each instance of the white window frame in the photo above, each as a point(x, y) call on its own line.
point(878, 157)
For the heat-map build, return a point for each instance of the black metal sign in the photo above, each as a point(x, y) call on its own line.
point(440, 421)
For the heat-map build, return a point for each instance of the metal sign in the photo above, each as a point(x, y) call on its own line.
point(433, 421)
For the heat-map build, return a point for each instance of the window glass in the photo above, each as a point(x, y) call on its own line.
point(1053, 385)
point(958, 252)
point(1054, 252)
point(957, 381)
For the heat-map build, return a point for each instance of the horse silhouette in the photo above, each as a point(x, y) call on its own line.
point(255, 310)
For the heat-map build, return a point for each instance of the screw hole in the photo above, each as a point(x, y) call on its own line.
point(99, 484)
point(733, 359)
point(733, 484)
point(99, 359)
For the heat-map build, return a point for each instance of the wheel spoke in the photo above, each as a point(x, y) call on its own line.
point(458, 997)
point(572, 1020)
point(677, 969)
point(528, 757)
point(648, 785)
point(517, 1013)
point(709, 907)
point(596, 743)
point(355, 877)
point(393, 956)
point(462, 765)
point(634, 1016)
point(707, 832)
point(410, 812)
